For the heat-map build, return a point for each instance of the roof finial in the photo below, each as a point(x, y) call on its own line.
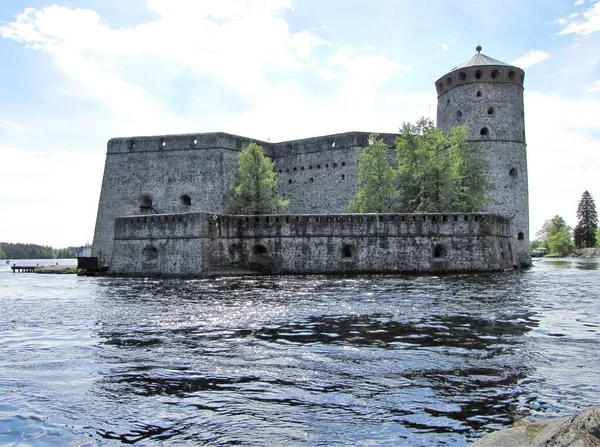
point(478, 48)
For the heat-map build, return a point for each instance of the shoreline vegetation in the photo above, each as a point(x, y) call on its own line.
point(56, 269)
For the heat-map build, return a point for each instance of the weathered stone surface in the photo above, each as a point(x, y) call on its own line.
point(581, 430)
point(196, 244)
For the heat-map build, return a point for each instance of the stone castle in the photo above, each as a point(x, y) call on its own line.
point(162, 207)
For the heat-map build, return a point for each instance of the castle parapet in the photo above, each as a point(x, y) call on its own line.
point(205, 225)
point(193, 141)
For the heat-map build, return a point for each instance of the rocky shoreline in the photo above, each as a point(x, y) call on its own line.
point(580, 430)
point(586, 253)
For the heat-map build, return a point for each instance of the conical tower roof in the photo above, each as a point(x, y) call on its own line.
point(480, 59)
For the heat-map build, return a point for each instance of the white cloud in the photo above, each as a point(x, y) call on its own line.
point(579, 2)
point(595, 87)
point(445, 47)
point(530, 58)
point(58, 196)
point(588, 24)
point(340, 57)
point(563, 154)
point(239, 43)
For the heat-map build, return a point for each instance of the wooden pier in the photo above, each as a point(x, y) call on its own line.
point(23, 268)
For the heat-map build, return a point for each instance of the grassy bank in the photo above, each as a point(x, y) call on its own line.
point(57, 269)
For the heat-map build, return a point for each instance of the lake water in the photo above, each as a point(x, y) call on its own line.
point(315, 361)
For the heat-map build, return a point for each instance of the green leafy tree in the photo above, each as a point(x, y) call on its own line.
point(255, 190)
point(587, 224)
point(439, 172)
point(2, 254)
point(377, 189)
point(561, 243)
point(555, 236)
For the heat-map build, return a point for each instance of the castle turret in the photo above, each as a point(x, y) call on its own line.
point(486, 95)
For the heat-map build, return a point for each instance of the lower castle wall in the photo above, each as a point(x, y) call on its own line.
point(198, 244)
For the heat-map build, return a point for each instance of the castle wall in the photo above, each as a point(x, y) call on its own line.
point(319, 175)
point(196, 244)
point(159, 175)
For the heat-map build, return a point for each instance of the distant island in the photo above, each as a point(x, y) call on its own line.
point(33, 251)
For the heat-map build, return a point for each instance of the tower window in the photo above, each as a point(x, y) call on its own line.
point(440, 87)
point(458, 114)
point(347, 251)
point(479, 94)
point(150, 253)
point(484, 131)
point(521, 236)
point(131, 144)
point(440, 251)
point(514, 173)
point(490, 111)
point(163, 142)
point(495, 74)
point(185, 200)
point(145, 201)
point(449, 81)
point(260, 250)
point(462, 76)
point(511, 75)
point(478, 74)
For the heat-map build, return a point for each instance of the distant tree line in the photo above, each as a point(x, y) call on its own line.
point(33, 251)
point(560, 239)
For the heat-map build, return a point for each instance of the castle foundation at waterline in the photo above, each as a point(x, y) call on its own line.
point(163, 211)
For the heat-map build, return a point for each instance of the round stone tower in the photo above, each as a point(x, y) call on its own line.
point(486, 95)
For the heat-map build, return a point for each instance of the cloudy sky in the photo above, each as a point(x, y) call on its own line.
point(76, 73)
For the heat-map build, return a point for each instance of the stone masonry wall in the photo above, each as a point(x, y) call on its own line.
point(489, 101)
point(195, 244)
point(195, 172)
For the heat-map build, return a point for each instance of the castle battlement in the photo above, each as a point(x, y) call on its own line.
point(204, 225)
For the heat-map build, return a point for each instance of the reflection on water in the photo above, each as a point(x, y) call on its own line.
point(578, 263)
point(295, 360)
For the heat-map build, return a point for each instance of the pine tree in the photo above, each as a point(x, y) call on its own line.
point(587, 224)
point(377, 190)
point(439, 172)
point(255, 190)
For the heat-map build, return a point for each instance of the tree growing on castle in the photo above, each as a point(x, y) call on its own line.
point(255, 189)
point(587, 224)
point(435, 173)
point(377, 190)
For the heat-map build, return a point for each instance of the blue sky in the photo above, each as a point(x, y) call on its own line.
point(76, 73)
